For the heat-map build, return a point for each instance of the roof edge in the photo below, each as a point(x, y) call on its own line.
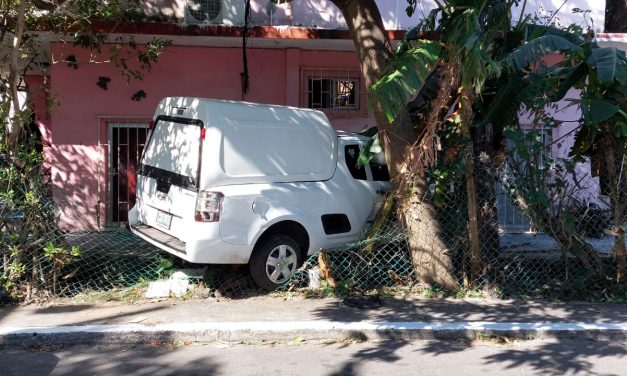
point(181, 29)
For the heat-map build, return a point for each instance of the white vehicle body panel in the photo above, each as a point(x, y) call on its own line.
point(289, 166)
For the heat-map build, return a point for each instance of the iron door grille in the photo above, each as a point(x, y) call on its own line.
point(126, 142)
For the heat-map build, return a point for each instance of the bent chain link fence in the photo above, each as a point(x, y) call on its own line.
point(566, 248)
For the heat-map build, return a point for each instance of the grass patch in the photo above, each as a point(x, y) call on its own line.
point(493, 339)
point(130, 295)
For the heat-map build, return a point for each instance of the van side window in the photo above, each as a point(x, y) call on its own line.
point(351, 153)
point(379, 168)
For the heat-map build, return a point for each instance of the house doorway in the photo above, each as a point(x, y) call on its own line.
point(126, 142)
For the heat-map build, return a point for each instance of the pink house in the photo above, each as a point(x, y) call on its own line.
point(94, 121)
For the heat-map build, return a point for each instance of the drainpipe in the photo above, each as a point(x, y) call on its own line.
point(396, 17)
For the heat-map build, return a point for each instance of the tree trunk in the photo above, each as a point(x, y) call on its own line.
point(466, 99)
point(620, 214)
point(583, 251)
point(616, 22)
point(483, 234)
point(485, 155)
point(473, 226)
point(16, 124)
point(431, 257)
point(429, 252)
point(616, 16)
point(617, 190)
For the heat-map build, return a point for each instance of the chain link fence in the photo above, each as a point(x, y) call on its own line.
point(568, 248)
point(541, 228)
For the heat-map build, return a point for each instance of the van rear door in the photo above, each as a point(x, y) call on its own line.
point(169, 171)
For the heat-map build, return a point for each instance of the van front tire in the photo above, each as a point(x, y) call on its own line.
point(275, 261)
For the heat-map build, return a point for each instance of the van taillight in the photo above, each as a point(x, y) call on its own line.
point(208, 206)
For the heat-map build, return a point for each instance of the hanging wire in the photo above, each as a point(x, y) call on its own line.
point(244, 75)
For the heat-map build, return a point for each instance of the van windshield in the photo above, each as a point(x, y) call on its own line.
point(173, 152)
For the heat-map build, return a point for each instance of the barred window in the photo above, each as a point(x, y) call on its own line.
point(332, 93)
point(204, 10)
point(329, 89)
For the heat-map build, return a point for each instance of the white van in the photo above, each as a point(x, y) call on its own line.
point(225, 182)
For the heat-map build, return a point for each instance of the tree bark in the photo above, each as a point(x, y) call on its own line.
point(431, 257)
point(430, 254)
point(617, 190)
point(473, 225)
point(616, 22)
point(616, 16)
point(15, 124)
point(485, 156)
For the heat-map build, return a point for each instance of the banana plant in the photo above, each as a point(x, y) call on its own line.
point(500, 69)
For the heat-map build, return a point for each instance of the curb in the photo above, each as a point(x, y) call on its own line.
point(305, 330)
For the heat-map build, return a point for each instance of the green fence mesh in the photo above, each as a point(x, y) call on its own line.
point(111, 258)
point(114, 258)
point(566, 249)
point(373, 262)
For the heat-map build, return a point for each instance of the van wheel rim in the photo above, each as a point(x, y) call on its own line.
point(281, 263)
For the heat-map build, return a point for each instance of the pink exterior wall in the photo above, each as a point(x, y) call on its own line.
point(79, 154)
point(77, 125)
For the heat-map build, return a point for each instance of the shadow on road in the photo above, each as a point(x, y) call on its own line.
point(161, 358)
point(455, 310)
point(385, 351)
point(551, 357)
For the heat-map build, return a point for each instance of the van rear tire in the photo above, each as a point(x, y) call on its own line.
point(275, 261)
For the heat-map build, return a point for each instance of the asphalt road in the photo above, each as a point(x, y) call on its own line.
point(487, 356)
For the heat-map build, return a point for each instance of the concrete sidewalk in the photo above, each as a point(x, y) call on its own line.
point(279, 319)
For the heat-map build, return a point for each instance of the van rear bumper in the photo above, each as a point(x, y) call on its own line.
point(202, 251)
point(159, 238)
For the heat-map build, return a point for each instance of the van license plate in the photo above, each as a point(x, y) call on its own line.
point(164, 219)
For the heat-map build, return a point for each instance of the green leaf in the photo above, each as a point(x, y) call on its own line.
point(533, 50)
point(619, 129)
point(504, 107)
point(409, 10)
point(575, 76)
point(569, 221)
point(372, 147)
point(404, 76)
point(471, 41)
point(413, 33)
point(610, 64)
point(597, 110)
point(368, 132)
point(583, 141)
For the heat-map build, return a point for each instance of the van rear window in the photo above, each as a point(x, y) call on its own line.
point(174, 147)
